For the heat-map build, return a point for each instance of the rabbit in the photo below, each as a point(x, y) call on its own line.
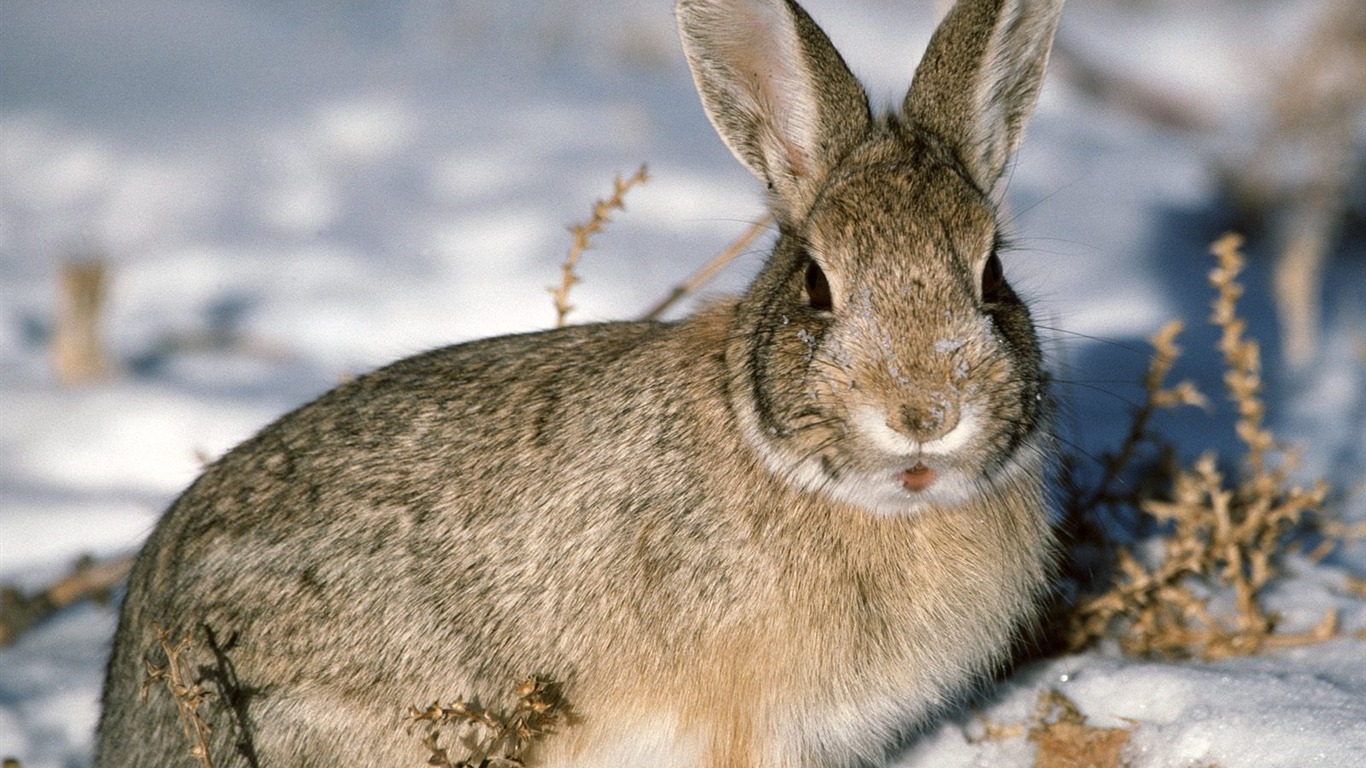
point(790, 529)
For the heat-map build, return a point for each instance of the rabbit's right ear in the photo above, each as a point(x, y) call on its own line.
point(776, 90)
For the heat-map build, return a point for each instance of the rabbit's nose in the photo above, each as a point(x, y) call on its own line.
point(928, 420)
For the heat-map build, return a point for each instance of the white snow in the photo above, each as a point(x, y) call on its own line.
point(344, 184)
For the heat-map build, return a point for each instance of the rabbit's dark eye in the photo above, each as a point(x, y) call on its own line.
point(818, 288)
point(993, 279)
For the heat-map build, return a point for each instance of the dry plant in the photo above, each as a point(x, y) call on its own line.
point(490, 739)
point(711, 268)
point(88, 580)
point(583, 234)
point(1143, 447)
point(598, 219)
point(1062, 736)
point(1301, 178)
point(187, 693)
point(1219, 535)
point(78, 354)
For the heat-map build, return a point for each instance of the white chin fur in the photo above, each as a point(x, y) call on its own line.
point(881, 491)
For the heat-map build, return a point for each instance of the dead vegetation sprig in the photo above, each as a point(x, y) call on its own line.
point(1065, 740)
point(1142, 445)
point(89, 579)
point(1220, 534)
point(490, 739)
point(583, 234)
point(178, 678)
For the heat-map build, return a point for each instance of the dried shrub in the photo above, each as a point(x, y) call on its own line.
point(490, 739)
point(89, 579)
point(1220, 534)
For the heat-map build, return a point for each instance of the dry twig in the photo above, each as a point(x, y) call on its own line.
point(583, 233)
point(78, 354)
point(187, 693)
point(1305, 168)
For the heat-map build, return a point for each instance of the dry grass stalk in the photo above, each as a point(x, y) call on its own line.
point(711, 268)
point(1219, 536)
point(489, 739)
point(187, 693)
point(583, 234)
point(1101, 515)
point(78, 354)
point(88, 580)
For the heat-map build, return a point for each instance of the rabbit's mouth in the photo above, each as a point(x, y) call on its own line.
point(918, 478)
point(924, 484)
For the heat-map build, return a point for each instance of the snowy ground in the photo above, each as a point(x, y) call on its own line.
point(344, 184)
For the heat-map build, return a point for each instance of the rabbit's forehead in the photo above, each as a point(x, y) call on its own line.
point(907, 213)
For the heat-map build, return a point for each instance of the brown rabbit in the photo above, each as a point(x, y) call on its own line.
point(784, 531)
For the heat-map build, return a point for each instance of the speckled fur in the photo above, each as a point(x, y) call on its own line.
point(682, 523)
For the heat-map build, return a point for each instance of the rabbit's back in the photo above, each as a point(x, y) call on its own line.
point(420, 532)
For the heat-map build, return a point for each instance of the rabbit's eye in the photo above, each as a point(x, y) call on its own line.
point(818, 288)
point(993, 278)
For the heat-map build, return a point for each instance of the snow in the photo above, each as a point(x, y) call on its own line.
point(347, 184)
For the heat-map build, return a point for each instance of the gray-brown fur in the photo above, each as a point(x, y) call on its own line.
point(697, 528)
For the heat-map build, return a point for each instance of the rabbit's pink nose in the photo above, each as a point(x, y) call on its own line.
point(918, 478)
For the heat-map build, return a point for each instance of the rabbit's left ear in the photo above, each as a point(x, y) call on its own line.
point(776, 90)
point(978, 82)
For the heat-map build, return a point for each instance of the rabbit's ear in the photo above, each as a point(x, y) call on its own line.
point(977, 84)
point(776, 90)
